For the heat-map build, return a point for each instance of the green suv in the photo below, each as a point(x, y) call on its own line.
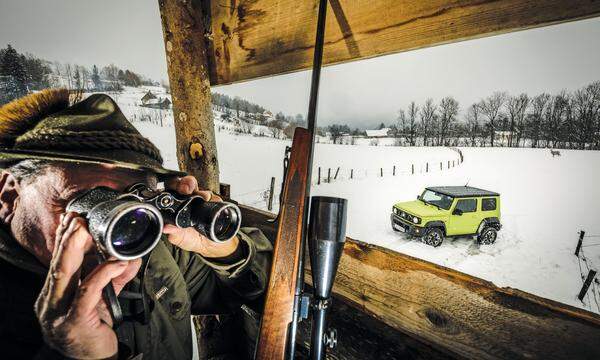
point(447, 211)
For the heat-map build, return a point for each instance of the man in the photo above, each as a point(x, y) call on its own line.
point(51, 303)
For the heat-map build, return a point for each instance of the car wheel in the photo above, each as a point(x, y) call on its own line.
point(487, 236)
point(433, 237)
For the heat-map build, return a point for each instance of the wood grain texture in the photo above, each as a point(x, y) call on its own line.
point(456, 313)
point(279, 301)
point(257, 38)
point(187, 61)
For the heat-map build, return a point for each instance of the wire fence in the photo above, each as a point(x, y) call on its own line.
point(589, 294)
point(261, 197)
point(326, 175)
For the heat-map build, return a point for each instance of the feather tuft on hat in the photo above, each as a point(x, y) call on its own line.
point(23, 114)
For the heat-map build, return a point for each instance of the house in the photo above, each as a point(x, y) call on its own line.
point(157, 103)
point(503, 136)
point(148, 97)
point(384, 132)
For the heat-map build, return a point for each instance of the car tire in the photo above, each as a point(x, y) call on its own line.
point(487, 236)
point(433, 237)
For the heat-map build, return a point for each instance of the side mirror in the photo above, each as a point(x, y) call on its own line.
point(457, 212)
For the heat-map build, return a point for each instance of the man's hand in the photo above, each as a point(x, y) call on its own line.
point(71, 311)
point(190, 239)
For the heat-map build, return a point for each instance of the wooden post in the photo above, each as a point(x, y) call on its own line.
point(336, 173)
point(441, 168)
point(271, 190)
point(394, 171)
point(351, 173)
point(448, 164)
point(381, 171)
point(225, 191)
point(328, 175)
point(319, 174)
point(579, 242)
point(586, 284)
point(412, 168)
point(182, 25)
point(426, 167)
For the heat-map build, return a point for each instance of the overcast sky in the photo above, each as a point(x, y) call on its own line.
point(364, 93)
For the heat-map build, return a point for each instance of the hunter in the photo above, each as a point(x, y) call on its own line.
point(51, 303)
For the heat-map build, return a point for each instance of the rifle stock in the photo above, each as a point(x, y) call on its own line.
point(287, 254)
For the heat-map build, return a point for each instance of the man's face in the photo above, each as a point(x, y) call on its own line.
point(40, 201)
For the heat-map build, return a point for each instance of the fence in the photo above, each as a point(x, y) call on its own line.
point(590, 287)
point(267, 198)
point(324, 175)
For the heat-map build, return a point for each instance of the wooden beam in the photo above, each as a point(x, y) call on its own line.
point(455, 312)
point(183, 30)
point(257, 38)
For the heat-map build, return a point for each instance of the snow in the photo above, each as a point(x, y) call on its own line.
point(545, 200)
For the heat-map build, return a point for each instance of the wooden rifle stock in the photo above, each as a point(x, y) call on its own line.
point(287, 253)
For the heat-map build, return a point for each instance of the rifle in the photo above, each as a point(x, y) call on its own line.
point(286, 303)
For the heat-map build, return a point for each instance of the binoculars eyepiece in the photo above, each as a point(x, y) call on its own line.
point(129, 225)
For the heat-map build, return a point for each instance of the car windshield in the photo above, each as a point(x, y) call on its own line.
point(437, 199)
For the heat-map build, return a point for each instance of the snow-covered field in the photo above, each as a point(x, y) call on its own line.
point(545, 200)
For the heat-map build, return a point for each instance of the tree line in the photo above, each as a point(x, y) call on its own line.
point(24, 73)
point(564, 120)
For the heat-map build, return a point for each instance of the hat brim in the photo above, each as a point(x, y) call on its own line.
point(104, 157)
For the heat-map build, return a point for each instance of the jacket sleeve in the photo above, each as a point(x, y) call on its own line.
point(217, 288)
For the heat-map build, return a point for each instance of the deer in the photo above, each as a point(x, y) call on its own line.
point(555, 153)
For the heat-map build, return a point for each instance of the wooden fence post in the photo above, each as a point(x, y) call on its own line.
point(319, 174)
point(272, 189)
point(381, 171)
point(336, 173)
point(586, 284)
point(225, 191)
point(579, 242)
point(448, 164)
point(441, 168)
point(394, 171)
point(426, 167)
point(351, 173)
point(328, 175)
point(412, 168)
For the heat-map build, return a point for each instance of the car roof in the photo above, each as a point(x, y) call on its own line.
point(462, 191)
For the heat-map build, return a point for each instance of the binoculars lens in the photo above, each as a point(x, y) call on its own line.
point(224, 223)
point(134, 231)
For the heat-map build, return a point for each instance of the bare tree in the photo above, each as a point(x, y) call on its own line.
point(428, 117)
point(473, 123)
point(490, 107)
point(538, 104)
point(448, 112)
point(517, 107)
point(413, 111)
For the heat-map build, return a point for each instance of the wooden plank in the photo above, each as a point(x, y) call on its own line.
point(250, 39)
point(454, 312)
point(190, 88)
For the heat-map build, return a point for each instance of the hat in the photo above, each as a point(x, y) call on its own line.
point(43, 126)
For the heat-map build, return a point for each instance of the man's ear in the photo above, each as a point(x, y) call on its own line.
point(9, 193)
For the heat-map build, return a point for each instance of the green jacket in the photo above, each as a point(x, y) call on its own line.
point(176, 284)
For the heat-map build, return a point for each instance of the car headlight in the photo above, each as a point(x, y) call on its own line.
point(415, 219)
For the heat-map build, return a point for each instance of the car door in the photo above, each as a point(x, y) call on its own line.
point(463, 218)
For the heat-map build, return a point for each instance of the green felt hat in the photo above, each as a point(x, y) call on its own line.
point(44, 126)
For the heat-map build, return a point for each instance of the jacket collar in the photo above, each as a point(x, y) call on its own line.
point(12, 252)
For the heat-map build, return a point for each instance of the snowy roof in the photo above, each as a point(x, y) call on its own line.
point(380, 132)
point(462, 191)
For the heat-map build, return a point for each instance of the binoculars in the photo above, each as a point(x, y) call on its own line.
point(129, 225)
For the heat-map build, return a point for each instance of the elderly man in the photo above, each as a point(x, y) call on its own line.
point(51, 303)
